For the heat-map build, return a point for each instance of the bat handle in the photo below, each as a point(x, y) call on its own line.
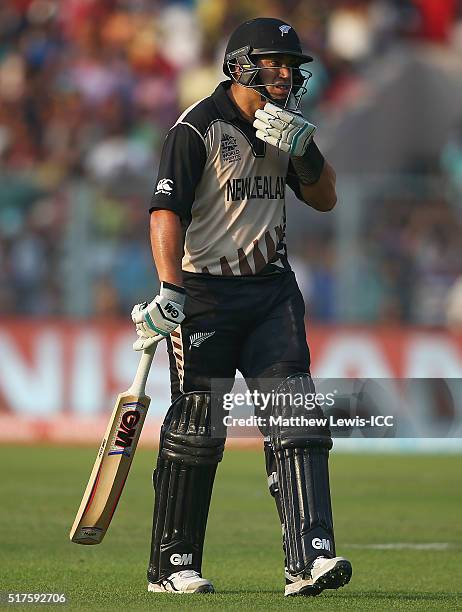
point(138, 385)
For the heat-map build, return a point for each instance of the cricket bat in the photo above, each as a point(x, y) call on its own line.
point(114, 459)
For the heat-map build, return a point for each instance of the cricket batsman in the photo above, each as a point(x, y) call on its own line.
point(229, 300)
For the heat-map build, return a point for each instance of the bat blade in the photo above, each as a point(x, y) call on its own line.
point(110, 470)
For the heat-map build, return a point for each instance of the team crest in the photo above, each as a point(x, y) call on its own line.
point(198, 338)
point(284, 29)
point(229, 149)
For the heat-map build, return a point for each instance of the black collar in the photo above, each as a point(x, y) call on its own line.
point(230, 112)
point(223, 102)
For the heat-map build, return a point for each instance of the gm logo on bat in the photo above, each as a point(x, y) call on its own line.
point(126, 433)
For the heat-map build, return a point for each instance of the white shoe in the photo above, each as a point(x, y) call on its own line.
point(325, 574)
point(186, 581)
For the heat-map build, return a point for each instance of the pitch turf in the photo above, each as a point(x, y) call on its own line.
point(377, 500)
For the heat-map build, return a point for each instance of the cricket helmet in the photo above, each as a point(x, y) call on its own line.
point(261, 37)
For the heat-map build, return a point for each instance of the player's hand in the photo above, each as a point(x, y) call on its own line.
point(283, 129)
point(156, 320)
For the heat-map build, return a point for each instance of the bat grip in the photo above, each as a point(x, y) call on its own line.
point(138, 385)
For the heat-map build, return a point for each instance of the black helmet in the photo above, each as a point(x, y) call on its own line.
point(265, 36)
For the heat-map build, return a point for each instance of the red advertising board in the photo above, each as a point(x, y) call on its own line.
point(58, 380)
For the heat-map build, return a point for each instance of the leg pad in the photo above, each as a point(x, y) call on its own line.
point(297, 463)
point(183, 481)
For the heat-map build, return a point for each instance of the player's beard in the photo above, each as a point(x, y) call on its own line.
point(280, 98)
point(282, 90)
point(277, 92)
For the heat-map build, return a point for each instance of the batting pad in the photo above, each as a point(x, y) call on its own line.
point(183, 481)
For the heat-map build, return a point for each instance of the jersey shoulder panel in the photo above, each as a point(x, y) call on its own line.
point(200, 115)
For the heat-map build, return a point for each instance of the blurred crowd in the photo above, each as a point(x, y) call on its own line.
point(406, 266)
point(88, 89)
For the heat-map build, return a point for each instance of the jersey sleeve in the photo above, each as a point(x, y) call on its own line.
point(180, 170)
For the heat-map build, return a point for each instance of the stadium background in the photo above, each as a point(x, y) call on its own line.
point(88, 89)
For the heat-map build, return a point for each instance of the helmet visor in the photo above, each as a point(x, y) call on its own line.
point(280, 83)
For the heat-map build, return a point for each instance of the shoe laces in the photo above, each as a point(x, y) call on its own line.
point(316, 560)
point(305, 575)
point(188, 574)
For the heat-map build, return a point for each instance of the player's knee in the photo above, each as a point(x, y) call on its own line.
point(297, 422)
point(187, 433)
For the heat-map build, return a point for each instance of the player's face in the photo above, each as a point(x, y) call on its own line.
point(277, 75)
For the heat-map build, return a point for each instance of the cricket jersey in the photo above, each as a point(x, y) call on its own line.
point(228, 188)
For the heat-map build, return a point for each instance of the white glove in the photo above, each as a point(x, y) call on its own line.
point(283, 129)
point(156, 320)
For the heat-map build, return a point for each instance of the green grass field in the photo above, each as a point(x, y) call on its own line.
point(377, 500)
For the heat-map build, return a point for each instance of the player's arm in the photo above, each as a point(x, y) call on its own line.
point(160, 317)
point(180, 169)
point(167, 245)
point(320, 195)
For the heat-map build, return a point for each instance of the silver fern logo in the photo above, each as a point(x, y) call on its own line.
point(198, 338)
point(284, 29)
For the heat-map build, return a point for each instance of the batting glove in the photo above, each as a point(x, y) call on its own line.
point(283, 129)
point(156, 320)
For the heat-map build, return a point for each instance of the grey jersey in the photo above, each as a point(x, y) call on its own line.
point(228, 187)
